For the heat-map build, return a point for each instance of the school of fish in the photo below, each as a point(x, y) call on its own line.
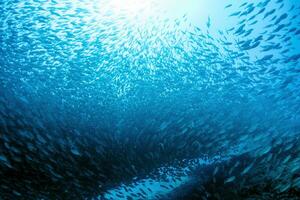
point(97, 103)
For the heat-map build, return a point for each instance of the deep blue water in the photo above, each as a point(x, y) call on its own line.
point(149, 99)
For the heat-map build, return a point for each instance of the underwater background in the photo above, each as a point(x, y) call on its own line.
point(153, 99)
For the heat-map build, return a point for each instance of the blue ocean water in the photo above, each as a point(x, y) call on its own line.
point(131, 99)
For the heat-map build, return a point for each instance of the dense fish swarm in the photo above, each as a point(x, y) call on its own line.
point(95, 98)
